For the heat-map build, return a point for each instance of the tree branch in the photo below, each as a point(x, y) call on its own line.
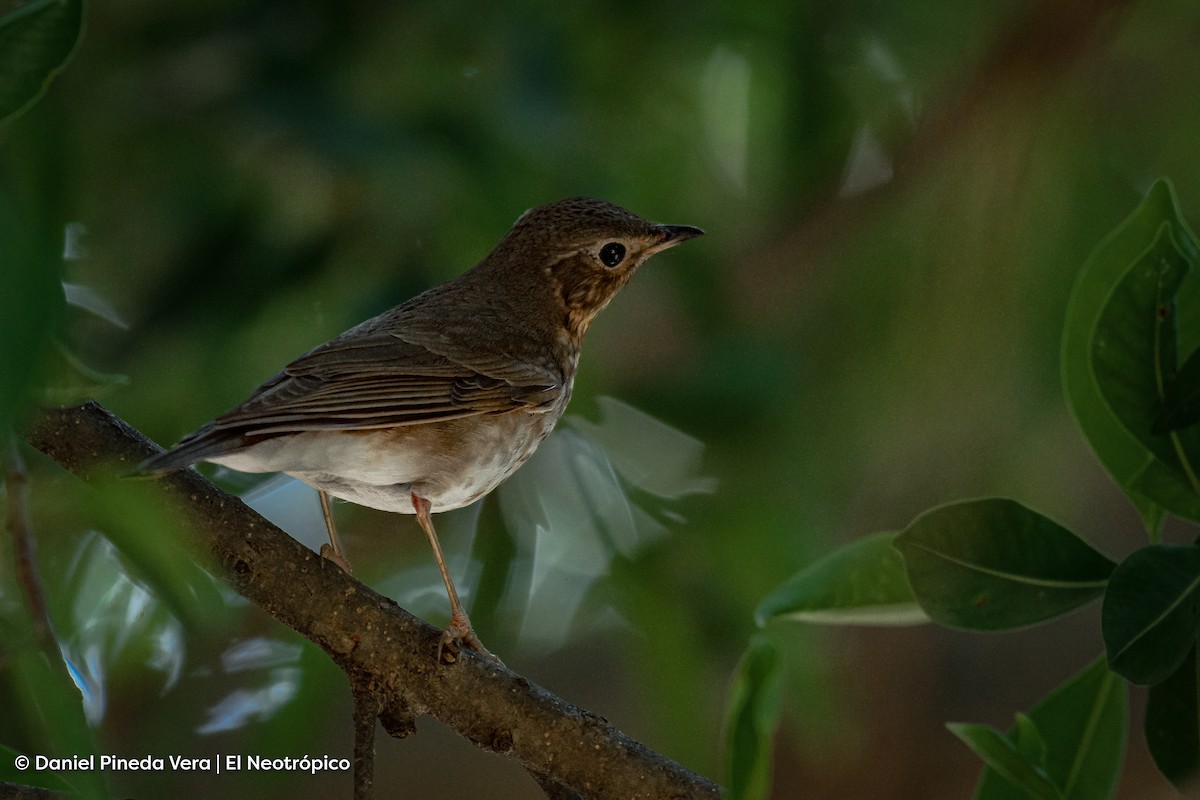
point(377, 643)
point(20, 528)
point(366, 711)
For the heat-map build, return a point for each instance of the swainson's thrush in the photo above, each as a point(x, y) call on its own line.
point(429, 406)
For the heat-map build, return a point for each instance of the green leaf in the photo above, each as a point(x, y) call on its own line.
point(28, 777)
point(48, 703)
point(1181, 398)
point(1134, 344)
point(136, 518)
point(1082, 724)
point(1001, 755)
point(83, 382)
point(1126, 459)
point(1173, 724)
point(36, 42)
point(31, 305)
point(993, 564)
point(1151, 612)
point(1168, 488)
point(1029, 740)
point(862, 583)
point(750, 725)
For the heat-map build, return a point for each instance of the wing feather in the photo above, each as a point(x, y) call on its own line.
point(363, 381)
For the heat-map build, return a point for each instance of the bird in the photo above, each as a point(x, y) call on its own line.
point(430, 405)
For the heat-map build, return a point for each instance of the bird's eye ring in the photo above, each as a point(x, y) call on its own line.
point(612, 254)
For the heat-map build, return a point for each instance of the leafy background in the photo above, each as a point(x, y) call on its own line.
point(898, 198)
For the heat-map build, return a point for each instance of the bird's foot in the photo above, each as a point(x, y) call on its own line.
point(329, 554)
point(460, 633)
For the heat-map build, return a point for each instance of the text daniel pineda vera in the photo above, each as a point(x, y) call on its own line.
point(230, 762)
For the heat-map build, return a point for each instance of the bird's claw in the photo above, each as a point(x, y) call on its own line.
point(460, 633)
point(329, 554)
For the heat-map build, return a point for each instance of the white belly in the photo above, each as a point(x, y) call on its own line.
point(451, 464)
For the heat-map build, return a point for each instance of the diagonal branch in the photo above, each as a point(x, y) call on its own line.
point(373, 640)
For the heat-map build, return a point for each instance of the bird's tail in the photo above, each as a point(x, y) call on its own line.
point(194, 447)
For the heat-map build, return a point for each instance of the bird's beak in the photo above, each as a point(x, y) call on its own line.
point(671, 236)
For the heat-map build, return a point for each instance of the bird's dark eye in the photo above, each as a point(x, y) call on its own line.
point(612, 254)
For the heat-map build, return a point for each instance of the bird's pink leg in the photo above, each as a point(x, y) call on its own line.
point(332, 551)
point(459, 629)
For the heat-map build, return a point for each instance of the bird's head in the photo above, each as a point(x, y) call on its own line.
point(585, 250)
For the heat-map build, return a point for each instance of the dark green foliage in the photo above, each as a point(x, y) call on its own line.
point(994, 564)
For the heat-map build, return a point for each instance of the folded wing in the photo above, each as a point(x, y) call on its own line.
point(361, 383)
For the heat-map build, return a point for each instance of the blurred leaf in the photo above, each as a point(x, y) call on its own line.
point(1082, 725)
point(30, 306)
point(1181, 398)
point(993, 564)
point(1001, 755)
point(110, 621)
point(36, 42)
point(570, 516)
point(1151, 612)
point(28, 777)
point(77, 382)
point(750, 725)
point(51, 708)
point(1134, 345)
point(1029, 740)
point(137, 519)
point(573, 508)
point(1168, 488)
point(645, 451)
point(1126, 459)
point(90, 300)
point(274, 677)
point(862, 583)
point(1173, 724)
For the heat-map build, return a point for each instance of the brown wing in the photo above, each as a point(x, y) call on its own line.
point(376, 382)
point(359, 383)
